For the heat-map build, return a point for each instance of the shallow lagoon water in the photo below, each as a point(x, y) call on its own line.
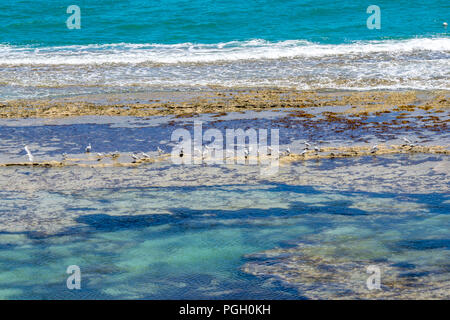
point(217, 231)
point(214, 241)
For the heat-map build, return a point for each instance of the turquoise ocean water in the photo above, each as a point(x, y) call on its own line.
point(150, 45)
point(42, 23)
point(163, 231)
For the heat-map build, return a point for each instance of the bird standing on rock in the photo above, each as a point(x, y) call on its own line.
point(30, 156)
point(374, 148)
point(246, 152)
point(288, 151)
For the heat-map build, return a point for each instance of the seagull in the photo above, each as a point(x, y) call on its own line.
point(307, 144)
point(30, 156)
point(160, 152)
point(408, 142)
point(316, 148)
point(115, 154)
point(229, 153)
point(246, 153)
point(145, 155)
point(269, 149)
point(88, 148)
point(445, 24)
point(374, 148)
point(288, 151)
point(64, 155)
point(303, 152)
point(135, 157)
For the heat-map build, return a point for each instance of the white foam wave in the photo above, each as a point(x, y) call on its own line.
point(123, 53)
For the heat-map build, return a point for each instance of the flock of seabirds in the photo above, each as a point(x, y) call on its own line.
point(135, 156)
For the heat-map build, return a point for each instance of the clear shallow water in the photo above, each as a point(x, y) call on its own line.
point(215, 232)
point(199, 247)
point(48, 139)
point(128, 46)
point(209, 232)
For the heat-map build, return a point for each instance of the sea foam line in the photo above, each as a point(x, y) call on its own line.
point(126, 53)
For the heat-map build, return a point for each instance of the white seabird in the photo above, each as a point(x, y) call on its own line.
point(269, 149)
point(88, 148)
point(307, 144)
point(316, 148)
point(288, 151)
point(30, 156)
point(145, 155)
point(374, 148)
point(160, 152)
point(408, 142)
point(115, 154)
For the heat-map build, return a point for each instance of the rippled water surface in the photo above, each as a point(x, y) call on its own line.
point(218, 232)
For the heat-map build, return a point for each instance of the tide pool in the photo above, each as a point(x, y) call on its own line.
point(219, 242)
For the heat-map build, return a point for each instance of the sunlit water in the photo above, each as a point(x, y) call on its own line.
point(125, 46)
point(215, 232)
point(194, 241)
